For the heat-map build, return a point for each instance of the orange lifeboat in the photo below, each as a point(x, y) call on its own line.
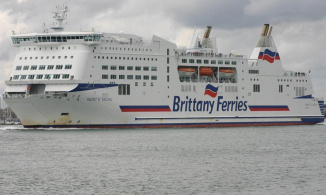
point(226, 72)
point(186, 71)
point(206, 71)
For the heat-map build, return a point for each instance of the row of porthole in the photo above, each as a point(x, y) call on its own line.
point(47, 57)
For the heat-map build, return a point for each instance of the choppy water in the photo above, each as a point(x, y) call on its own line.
point(251, 160)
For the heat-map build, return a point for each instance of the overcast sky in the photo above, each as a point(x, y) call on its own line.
point(299, 27)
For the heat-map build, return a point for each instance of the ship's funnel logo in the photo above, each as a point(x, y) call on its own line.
point(211, 90)
point(269, 56)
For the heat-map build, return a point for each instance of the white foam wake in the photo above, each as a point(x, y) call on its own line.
point(11, 127)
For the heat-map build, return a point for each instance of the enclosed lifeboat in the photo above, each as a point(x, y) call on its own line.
point(206, 71)
point(186, 72)
point(226, 72)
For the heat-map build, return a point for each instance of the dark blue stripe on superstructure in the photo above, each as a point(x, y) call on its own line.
point(304, 97)
point(88, 86)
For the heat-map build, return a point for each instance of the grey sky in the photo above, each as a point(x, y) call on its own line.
point(299, 26)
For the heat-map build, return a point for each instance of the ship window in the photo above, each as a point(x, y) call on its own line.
point(16, 77)
point(130, 77)
point(41, 67)
point(227, 62)
point(146, 77)
point(65, 76)
point(146, 68)
point(168, 60)
point(168, 69)
point(50, 67)
point(234, 62)
point(167, 52)
point(124, 89)
point(113, 67)
point(184, 60)
point(23, 77)
point(18, 67)
point(47, 76)
point(113, 76)
point(31, 76)
point(206, 62)
point(58, 67)
point(280, 88)
point(253, 71)
point(20, 58)
point(56, 76)
point(105, 76)
point(144, 83)
point(121, 67)
point(153, 68)
point(39, 76)
point(53, 57)
point(168, 78)
point(105, 67)
point(138, 77)
point(153, 77)
point(191, 61)
point(25, 58)
point(34, 67)
point(130, 67)
point(256, 88)
point(198, 61)
point(121, 76)
point(136, 83)
point(68, 66)
point(220, 61)
point(213, 61)
point(47, 57)
point(71, 57)
point(138, 68)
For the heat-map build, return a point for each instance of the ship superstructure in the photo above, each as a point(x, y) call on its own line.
point(104, 80)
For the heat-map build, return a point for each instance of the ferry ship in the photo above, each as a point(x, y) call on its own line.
point(115, 80)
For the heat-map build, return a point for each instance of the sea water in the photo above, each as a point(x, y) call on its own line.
point(249, 160)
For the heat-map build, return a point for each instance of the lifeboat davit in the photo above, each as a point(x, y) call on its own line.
point(226, 72)
point(186, 71)
point(206, 71)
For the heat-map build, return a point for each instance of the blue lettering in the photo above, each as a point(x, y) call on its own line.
point(176, 103)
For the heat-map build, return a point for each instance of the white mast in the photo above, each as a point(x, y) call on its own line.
point(59, 16)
